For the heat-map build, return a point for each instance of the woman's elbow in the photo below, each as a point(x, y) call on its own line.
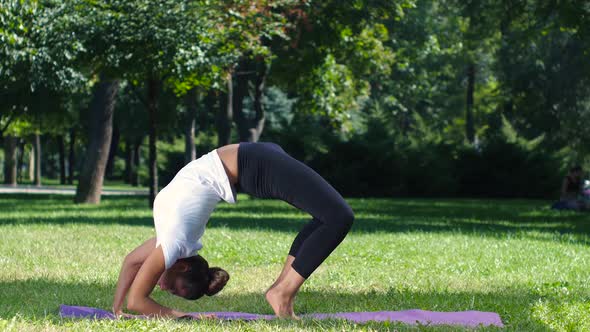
point(128, 259)
point(131, 261)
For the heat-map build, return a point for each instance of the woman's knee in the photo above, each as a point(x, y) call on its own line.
point(344, 218)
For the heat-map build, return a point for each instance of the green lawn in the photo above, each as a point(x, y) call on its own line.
point(517, 258)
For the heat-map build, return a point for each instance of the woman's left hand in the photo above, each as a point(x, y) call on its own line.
point(198, 316)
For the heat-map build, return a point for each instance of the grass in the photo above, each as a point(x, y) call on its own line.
point(517, 258)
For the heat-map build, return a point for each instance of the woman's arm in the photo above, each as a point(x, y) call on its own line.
point(131, 265)
point(139, 294)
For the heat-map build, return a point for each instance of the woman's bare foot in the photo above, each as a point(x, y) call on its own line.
point(281, 294)
point(281, 303)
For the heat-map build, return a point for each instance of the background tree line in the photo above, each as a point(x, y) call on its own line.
point(412, 97)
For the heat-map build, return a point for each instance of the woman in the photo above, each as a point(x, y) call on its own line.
point(182, 209)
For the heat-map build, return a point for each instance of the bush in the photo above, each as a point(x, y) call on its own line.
point(505, 169)
point(429, 170)
point(363, 166)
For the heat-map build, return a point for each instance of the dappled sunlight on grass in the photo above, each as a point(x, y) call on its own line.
point(517, 258)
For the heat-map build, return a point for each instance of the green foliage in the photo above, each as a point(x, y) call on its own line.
point(170, 160)
point(331, 91)
point(503, 169)
point(543, 74)
point(136, 39)
point(369, 56)
point(369, 75)
point(374, 161)
point(15, 45)
point(338, 49)
point(278, 106)
point(511, 136)
point(36, 81)
point(234, 29)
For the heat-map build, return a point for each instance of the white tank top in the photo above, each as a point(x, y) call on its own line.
point(182, 209)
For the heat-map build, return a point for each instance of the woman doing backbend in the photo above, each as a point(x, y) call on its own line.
point(183, 207)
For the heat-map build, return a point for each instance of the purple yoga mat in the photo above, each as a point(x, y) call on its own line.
point(465, 318)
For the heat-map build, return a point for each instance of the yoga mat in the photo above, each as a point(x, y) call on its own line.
point(464, 318)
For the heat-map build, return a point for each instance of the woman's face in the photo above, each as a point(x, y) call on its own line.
point(171, 282)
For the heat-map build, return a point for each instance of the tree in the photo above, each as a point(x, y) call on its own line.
point(543, 73)
point(132, 122)
point(10, 160)
point(243, 49)
point(101, 125)
point(338, 50)
point(249, 71)
point(33, 78)
point(15, 60)
point(141, 41)
point(16, 57)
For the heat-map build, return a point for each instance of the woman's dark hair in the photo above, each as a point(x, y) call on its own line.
point(201, 280)
point(576, 168)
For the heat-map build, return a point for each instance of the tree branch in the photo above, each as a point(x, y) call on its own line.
point(10, 119)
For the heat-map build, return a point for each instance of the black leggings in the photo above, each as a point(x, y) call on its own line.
point(265, 170)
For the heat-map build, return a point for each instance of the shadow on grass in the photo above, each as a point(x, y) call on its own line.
point(486, 217)
point(39, 299)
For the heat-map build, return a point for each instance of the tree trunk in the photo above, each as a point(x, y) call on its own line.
point(37, 148)
point(224, 115)
point(259, 119)
point(128, 160)
point(249, 129)
point(203, 114)
point(10, 158)
point(132, 161)
point(101, 117)
point(20, 162)
point(240, 92)
point(190, 151)
point(72, 156)
point(136, 161)
point(112, 152)
point(62, 159)
point(469, 125)
point(152, 93)
point(32, 163)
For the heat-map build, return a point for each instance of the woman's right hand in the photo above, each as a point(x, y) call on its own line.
point(120, 314)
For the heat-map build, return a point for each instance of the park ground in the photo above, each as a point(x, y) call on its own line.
point(514, 257)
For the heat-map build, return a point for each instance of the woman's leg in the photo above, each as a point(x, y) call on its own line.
point(303, 234)
point(332, 219)
point(267, 171)
point(281, 295)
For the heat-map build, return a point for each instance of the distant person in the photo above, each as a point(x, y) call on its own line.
point(572, 191)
